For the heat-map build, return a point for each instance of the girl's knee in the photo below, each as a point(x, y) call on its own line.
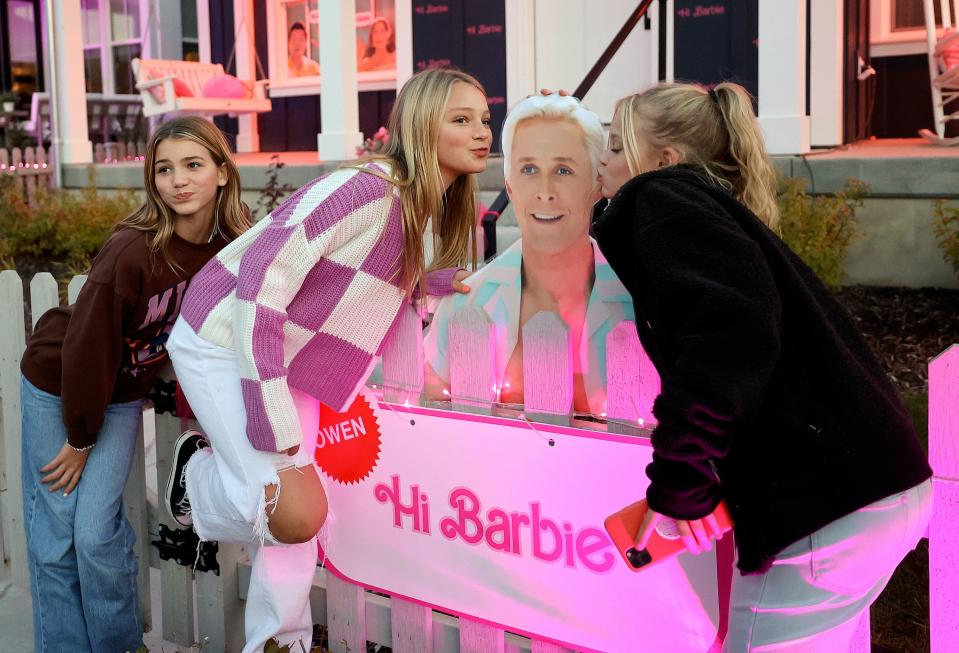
point(296, 512)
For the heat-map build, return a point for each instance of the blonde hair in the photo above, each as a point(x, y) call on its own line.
point(558, 107)
point(715, 130)
point(231, 217)
point(411, 151)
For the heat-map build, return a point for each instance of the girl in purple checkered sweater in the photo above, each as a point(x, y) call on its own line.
point(295, 313)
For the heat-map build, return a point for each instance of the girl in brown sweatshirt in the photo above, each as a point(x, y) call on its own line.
point(86, 371)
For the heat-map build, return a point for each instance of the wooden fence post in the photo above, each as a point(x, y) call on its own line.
point(44, 295)
point(547, 369)
point(411, 623)
point(403, 360)
point(944, 527)
point(472, 360)
point(473, 390)
point(345, 615)
point(176, 581)
point(12, 344)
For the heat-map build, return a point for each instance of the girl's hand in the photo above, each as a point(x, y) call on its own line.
point(696, 534)
point(458, 285)
point(292, 450)
point(65, 469)
point(545, 91)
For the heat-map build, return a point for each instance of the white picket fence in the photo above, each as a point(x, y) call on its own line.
point(355, 616)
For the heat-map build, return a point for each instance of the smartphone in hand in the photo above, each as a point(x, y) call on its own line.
point(623, 527)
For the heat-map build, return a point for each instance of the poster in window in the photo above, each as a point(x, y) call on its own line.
point(375, 37)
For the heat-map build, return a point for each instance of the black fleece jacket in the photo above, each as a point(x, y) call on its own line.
point(771, 398)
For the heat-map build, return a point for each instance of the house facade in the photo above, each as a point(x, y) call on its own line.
point(825, 72)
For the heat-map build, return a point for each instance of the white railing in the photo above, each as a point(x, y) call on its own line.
point(354, 615)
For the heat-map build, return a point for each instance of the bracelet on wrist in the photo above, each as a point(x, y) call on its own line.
point(81, 449)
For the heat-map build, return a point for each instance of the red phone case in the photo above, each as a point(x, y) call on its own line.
point(623, 527)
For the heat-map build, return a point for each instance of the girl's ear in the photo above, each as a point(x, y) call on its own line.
point(221, 175)
point(669, 156)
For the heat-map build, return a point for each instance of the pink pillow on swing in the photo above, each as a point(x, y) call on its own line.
point(226, 86)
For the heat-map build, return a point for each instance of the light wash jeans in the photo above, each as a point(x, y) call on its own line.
point(80, 548)
point(811, 599)
point(225, 485)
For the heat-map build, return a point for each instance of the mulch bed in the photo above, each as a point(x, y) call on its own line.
point(905, 327)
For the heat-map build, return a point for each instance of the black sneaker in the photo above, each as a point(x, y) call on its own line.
point(177, 502)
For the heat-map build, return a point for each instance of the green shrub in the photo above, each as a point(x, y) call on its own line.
point(59, 225)
point(820, 228)
point(947, 233)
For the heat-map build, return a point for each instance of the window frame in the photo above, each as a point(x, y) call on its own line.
point(886, 41)
point(107, 43)
point(283, 86)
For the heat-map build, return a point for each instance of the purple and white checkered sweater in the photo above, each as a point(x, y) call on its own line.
point(307, 297)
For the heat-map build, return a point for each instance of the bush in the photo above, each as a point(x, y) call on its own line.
point(820, 228)
point(947, 233)
point(59, 225)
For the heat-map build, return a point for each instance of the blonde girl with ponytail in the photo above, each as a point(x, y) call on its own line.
point(771, 399)
point(294, 313)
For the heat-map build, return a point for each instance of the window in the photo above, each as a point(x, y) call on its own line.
point(112, 38)
point(908, 14)
point(294, 30)
point(24, 62)
point(899, 26)
point(191, 32)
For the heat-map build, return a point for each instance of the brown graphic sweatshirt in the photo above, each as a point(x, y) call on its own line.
point(109, 346)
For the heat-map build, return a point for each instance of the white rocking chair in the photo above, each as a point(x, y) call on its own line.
point(943, 52)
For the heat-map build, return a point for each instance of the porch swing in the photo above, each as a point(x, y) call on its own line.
point(943, 69)
point(191, 87)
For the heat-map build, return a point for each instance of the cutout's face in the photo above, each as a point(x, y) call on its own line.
point(552, 184)
point(186, 176)
point(296, 43)
point(465, 136)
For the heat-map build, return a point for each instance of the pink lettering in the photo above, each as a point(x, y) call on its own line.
point(591, 541)
point(543, 525)
point(497, 533)
point(467, 506)
point(418, 506)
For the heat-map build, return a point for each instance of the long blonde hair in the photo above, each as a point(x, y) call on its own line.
point(411, 151)
point(716, 130)
point(231, 216)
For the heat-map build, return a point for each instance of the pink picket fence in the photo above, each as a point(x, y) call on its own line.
point(208, 610)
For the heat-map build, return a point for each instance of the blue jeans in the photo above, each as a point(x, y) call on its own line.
point(812, 597)
point(80, 548)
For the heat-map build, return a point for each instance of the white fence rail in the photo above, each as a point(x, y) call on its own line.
point(355, 616)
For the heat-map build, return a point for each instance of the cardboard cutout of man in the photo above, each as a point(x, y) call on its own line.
point(551, 148)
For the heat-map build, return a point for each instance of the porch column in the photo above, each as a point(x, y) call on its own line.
point(782, 76)
point(339, 106)
point(826, 68)
point(68, 93)
point(403, 28)
point(520, 50)
point(248, 134)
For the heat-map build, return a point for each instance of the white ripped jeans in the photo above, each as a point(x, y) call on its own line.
point(225, 485)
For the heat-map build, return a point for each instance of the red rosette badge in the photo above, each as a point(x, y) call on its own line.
point(348, 444)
